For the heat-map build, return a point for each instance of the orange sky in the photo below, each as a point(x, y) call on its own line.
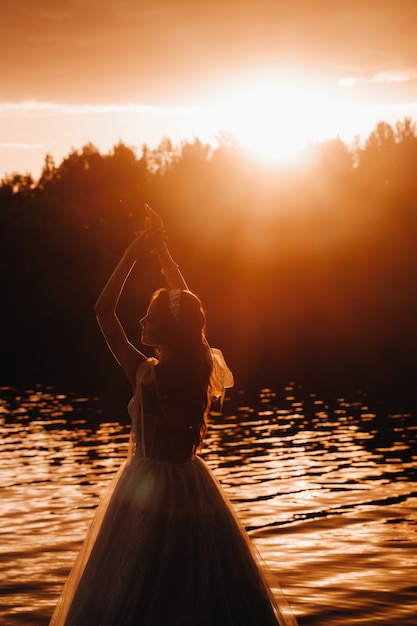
point(104, 70)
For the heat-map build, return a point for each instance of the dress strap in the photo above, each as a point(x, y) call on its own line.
point(144, 374)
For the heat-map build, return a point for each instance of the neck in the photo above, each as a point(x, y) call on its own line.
point(165, 355)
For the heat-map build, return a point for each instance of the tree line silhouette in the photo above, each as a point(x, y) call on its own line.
point(308, 272)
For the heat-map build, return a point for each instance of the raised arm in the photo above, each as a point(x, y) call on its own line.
point(122, 349)
point(169, 268)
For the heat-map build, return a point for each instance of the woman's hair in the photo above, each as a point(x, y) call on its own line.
point(184, 332)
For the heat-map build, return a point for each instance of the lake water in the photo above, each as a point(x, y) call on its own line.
point(326, 488)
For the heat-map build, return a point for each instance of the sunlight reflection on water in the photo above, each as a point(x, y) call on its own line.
point(327, 490)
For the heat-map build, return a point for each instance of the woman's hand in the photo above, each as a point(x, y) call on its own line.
point(154, 230)
point(148, 241)
point(152, 219)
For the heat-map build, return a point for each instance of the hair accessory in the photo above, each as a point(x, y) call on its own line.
point(174, 303)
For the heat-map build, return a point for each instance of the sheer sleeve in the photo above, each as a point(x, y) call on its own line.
point(221, 377)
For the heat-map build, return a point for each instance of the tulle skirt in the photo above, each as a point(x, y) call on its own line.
point(166, 549)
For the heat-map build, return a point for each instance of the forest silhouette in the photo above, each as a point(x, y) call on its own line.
point(308, 272)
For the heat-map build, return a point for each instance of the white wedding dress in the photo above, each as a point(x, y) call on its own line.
point(165, 547)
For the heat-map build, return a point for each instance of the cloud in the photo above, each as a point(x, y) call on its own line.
point(387, 77)
point(349, 81)
point(34, 107)
point(391, 77)
point(21, 146)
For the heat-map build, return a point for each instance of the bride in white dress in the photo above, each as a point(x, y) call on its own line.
point(165, 547)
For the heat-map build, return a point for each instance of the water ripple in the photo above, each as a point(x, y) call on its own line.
point(326, 488)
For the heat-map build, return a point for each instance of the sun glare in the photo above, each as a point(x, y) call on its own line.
point(274, 116)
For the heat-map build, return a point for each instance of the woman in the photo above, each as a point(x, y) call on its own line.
point(165, 548)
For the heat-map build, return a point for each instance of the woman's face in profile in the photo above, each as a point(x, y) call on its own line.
point(153, 327)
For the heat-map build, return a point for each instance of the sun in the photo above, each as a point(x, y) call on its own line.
point(274, 115)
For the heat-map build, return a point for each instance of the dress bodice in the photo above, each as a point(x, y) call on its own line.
point(155, 433)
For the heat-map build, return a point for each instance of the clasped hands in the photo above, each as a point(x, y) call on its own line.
point(150, 239)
